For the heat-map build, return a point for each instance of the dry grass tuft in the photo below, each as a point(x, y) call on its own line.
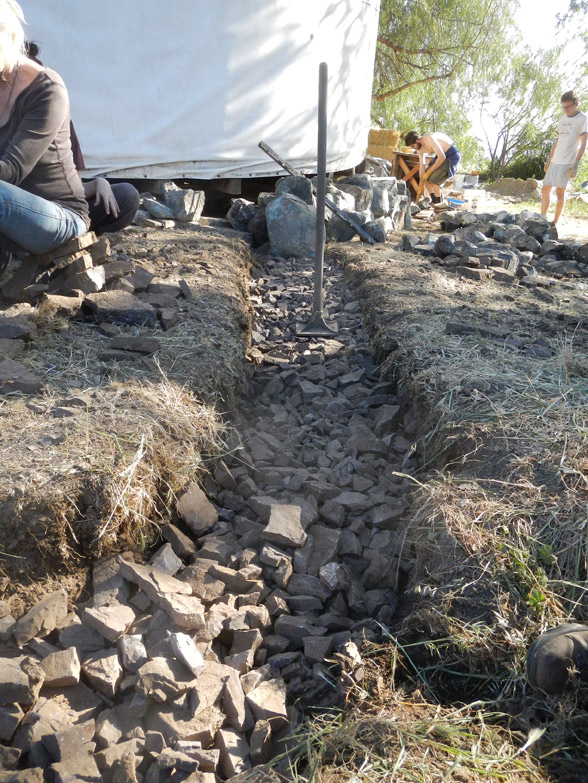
point(388, 735)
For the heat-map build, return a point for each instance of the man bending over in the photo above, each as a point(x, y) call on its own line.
point(442, 167)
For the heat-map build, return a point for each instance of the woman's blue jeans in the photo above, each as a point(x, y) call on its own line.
point(32, 223)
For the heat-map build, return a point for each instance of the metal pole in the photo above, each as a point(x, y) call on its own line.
point(317, 325)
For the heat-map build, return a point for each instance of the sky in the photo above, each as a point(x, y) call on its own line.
point(537, 19)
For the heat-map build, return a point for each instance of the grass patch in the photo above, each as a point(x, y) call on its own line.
point(498, 529)
point(386, 734)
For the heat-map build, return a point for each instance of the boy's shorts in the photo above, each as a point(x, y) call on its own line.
point(557, 175)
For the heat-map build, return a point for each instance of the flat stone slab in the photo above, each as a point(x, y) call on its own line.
point(13, 327)
point(111, 620)
point(196, 509)
point(163, 679)
point(186, 651)
point(14, 377)
point(132, 652)
point(268, 701)
point(120, 307)
point(152, 581)
point(118, 268)
point(68, 249)
point(62, 669)
point(176, 721)
point(89, 281)
point(234, 752)
point(284, 526)
point(69, 743)
point(39, 621)
point(10, 717)
point(129, 342)
point(168, 593)
point(104, 672)
point(183, 546)
point(14, 683)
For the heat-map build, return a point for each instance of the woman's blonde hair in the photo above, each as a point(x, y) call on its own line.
point(12, 37)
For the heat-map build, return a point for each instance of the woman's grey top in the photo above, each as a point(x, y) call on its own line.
point(35, 145)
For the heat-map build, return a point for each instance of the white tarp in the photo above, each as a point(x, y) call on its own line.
point(187, 88)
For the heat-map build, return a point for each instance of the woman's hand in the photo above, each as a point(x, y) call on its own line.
point(105, 196)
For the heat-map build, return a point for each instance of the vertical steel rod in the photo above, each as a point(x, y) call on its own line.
point(317, 325)
point(321, 189)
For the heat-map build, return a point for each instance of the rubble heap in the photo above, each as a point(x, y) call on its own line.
point(82, 276)
point(287, 218)
point(516, 249)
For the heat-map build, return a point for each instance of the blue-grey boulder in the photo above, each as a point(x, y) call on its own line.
point(240, 213)
point(340, 231)
point(444, 246)
point(297, 186)
point(380, 199)
point(291, 226)
point(375, 230)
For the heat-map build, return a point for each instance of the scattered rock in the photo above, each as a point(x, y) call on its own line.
point(14, 377)
point(284, 526)
point(196, 510)
point(120, 307)
point(43, 618)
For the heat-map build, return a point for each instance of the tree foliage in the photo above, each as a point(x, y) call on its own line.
point(439, 63)
point(518, 110)
point(432, 56)
point(427, 108)
point(422, 42)
point(576, 8)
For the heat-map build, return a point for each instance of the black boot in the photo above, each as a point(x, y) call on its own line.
point(555, 654)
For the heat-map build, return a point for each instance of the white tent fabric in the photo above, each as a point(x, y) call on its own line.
point(187, 88)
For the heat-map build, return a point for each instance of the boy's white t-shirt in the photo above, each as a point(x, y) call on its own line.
point(569, 130)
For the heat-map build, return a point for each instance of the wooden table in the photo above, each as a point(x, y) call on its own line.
point(405, 165)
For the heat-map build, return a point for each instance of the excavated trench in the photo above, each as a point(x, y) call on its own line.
point(301, 555)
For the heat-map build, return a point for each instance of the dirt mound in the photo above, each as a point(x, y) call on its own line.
point(516, 188)
point(91, 463)
point(495, 524)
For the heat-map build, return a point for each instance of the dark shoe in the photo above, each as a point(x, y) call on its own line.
point(5, 258)
point(555, 655)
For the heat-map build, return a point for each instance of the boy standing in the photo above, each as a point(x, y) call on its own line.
point(566, 154)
